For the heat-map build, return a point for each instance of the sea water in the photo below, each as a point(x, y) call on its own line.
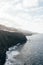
point(30, 54)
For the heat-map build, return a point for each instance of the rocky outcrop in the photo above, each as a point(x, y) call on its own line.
point(7, 40)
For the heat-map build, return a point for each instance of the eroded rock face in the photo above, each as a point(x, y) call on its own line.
point(9, 39)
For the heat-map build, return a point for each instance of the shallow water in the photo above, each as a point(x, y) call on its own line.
point(30, 54)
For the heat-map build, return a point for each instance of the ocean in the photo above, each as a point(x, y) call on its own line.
point(21, 15)
point(29, 54)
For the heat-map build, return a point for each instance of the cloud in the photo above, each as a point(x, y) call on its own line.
point(40, 2)
point(30, 3)
point(26, 18)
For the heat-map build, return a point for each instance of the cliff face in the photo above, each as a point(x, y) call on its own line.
point(7, 40)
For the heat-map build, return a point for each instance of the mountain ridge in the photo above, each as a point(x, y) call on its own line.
point(19, 30)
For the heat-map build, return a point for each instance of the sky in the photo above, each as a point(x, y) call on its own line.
point(25, 14)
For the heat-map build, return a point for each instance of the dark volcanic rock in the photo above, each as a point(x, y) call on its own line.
point(9, 39)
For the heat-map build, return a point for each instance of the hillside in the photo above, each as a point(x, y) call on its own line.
point(11, 29)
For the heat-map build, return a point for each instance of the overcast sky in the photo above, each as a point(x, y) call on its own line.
point(25, 14)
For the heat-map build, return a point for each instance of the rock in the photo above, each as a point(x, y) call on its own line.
point(7, 40)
